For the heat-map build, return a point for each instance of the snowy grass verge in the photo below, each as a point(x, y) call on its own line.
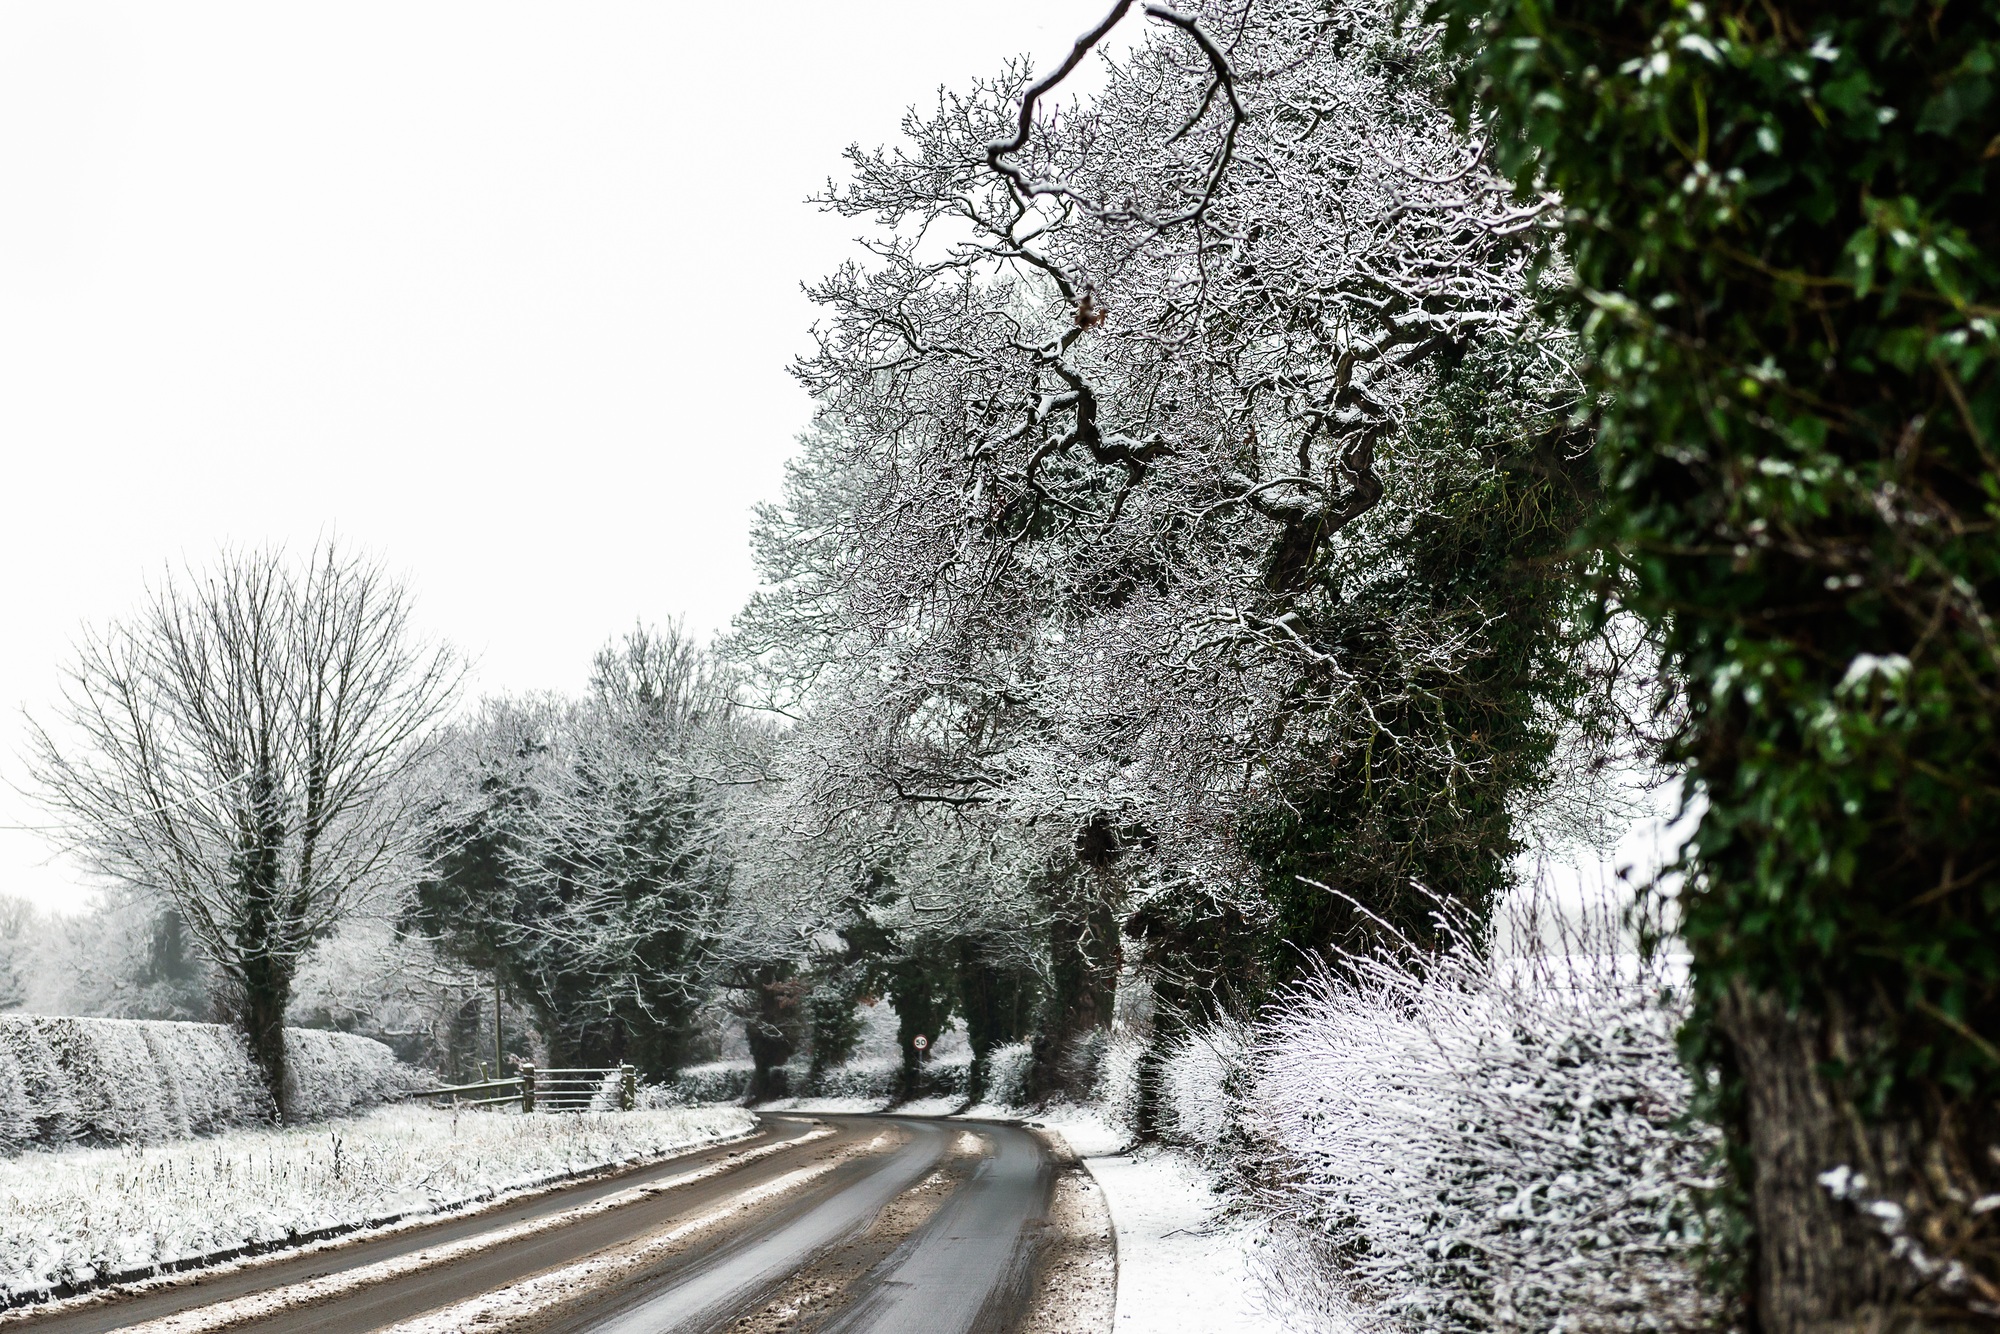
point(326, 1289)
point(84, 1217)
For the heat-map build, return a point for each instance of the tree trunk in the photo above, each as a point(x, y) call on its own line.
point(1858, 1216)
point(1083, 975)
point(771, 1030)
point(920, 1012)
point(267, 993)
point(990, 1000)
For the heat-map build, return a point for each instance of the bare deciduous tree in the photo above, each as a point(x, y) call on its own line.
point(238, 745)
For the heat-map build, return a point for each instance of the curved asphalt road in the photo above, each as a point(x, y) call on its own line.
point(968, 1269)
point(971, 1268)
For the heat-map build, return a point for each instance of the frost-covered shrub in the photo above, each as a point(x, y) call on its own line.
point(716, 1081)
point(875, 1080)
point(946, 1075)
point(1450, 1143)
point(1119, 1067)
point(1007, 1071)
point(1199, 1080)
point(336, 1074)
point(122, 1081)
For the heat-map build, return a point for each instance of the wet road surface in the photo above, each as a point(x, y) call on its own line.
point(889, 1225)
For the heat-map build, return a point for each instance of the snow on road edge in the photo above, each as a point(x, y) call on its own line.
point(545, 1289)
point(1180, 1267)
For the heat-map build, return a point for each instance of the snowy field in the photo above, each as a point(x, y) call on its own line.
point(73, 1217)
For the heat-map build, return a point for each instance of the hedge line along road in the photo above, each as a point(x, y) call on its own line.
point(835, 1225)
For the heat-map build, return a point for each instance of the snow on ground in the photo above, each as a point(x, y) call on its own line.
point(915, 1107)
point(852, 1106)
point(929, 1106)
point(1180, 1266)
point(72, 1216)
point(326, 1289)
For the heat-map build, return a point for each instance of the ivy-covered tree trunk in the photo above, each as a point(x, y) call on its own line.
point(920, 995)
point(991, 999)
point(267, 959)
point(1821, 1259)
point(1784, 226)
point(771, 1027)
point(265, 992)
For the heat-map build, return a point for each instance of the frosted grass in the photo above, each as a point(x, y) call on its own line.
point(70, 1217)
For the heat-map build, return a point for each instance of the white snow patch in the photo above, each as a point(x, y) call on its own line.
point(1087, 1130)
point(835, 1105)
point(1179, 1267)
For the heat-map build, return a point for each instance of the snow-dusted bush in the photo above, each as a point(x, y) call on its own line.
point(947, 1074)
point(1198, 1083)
point(119, 1081)
point(1453, 1143)
point(717, 1081)
point(70, 1217)
point(875, 1080)
point(336, 1074)
point(1007, 1071)
point(1120, 1065)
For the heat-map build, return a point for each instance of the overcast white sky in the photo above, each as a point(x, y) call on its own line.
point(505, 292)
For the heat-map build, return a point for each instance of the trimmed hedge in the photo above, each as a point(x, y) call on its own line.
point(67, 1081)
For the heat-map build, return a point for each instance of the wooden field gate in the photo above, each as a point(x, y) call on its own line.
point(609, 1089)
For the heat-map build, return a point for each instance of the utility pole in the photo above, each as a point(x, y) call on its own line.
point(498, 1068)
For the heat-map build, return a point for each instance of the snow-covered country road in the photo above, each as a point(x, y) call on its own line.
point(834, 1224)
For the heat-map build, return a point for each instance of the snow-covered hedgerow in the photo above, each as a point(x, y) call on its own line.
point(1457, 1143)
point(67, 1218)
point(338, 1074)
point(117, 1081)
point(695, 1085)
point(869, 1080)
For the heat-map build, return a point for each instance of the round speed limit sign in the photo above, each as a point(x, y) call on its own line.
point(921, 1043)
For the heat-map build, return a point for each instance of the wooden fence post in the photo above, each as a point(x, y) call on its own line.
point(527, 1088)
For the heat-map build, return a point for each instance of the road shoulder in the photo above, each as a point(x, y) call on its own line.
point(1076, 1288)
point(1180, 1265)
